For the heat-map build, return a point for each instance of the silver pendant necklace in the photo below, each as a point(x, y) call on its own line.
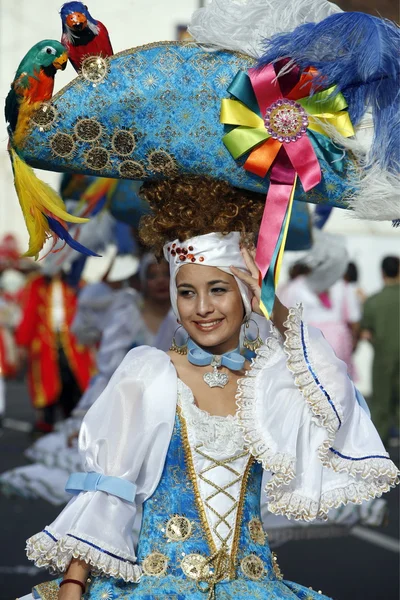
point(215, 378)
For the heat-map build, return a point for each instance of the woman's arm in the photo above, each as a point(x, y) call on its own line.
point(78, 570)
point(120, 438)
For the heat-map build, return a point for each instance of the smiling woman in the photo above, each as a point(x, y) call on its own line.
point(178, 442)
point(176, 446)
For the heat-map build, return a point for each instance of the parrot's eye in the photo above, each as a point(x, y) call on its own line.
point(50, 50)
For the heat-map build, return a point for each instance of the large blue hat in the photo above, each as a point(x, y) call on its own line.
point(313, 117)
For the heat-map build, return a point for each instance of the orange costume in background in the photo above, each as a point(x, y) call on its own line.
point(44, 339)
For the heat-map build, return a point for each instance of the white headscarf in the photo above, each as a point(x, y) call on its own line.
point(210, 250)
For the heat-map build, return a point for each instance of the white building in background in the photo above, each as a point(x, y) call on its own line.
point(133, 23)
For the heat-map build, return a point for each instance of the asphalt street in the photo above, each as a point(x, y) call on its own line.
point(359, 566)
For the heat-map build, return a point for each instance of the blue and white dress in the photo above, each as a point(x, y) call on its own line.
point(174, 510)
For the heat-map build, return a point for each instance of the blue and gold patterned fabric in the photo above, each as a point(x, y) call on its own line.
point(153, 111)
point(176, 551)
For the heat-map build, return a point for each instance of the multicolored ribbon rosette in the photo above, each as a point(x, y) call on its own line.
point(272, 116)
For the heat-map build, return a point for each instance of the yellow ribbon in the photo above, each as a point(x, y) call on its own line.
point(250, 129)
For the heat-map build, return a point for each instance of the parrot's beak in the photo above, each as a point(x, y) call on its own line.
point(76, 21)
point(61, 61)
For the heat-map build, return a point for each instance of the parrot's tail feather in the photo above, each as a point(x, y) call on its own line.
point(62, 233)
point(37, 200)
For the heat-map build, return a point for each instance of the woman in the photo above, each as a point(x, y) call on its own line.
point(328, 302)
point(177, 443)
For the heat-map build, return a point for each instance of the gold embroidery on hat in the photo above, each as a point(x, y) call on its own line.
point(178, 529)
point(131, 169)
point(195, 566)
point(88, 130)
point(97, 158)
point(95, 69)
point(44, 117)
point(162, 162)
point(256, 531)
point(123, 142)
point(62, 144)
point(253, 567)
point(155, 564)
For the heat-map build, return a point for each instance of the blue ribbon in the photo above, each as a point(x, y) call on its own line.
point(95, 482)
point(197, 356)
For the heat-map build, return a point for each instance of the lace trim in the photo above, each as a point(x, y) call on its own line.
point(296, 347)
point(46, 551)
point(301, 508)
point(326, 413)
point(260, 444)
point(378, 475)
point(219, 435)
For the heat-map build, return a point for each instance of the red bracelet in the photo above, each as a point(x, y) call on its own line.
point(74, 581)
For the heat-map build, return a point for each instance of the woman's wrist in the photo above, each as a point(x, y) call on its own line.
point(70, 581)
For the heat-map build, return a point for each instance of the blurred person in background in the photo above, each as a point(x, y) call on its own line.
point(11, 284)
point(351, 278)
point(380, 326)
point(113, 315)
point(329, 303)
point(59, 368)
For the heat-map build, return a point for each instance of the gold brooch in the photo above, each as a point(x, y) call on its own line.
point(257, 532)
point(155, 564)
point(253, 567)
point(178, 529)
point(195, 566)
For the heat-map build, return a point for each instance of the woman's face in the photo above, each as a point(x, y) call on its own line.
point(210, 306)
point(157, 282)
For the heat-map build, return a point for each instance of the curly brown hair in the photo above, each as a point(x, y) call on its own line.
point(191, 205)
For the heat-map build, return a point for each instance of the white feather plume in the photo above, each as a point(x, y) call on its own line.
point(242, 25)
point(377, 191)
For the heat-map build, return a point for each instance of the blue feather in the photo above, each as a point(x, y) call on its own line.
point(63, 234)
point(359, 53)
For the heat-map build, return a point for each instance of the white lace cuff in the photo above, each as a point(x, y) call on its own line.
point(45, 550)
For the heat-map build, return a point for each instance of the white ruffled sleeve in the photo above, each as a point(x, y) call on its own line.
point(302, 421)
point(125, 435)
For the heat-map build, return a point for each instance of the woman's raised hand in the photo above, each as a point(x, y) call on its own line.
point(250, 279)
point(279, 313)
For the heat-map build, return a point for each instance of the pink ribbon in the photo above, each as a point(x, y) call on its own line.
point(293, 157)
point(280, 187)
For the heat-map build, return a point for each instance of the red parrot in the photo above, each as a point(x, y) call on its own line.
point(82, 35)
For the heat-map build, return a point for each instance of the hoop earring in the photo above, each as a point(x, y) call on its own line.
point(175, 347)
point(248, 343)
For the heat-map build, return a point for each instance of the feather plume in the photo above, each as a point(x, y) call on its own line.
point(358, 53)
point(38, 201)
point(243, 26)
point(61, 233)
point(376, 190)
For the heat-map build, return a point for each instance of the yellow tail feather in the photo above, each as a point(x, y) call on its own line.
point(35, 198)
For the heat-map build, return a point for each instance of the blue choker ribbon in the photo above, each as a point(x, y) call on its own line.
point(233, 360)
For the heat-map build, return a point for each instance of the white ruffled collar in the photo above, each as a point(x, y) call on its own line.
point(213, 432)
